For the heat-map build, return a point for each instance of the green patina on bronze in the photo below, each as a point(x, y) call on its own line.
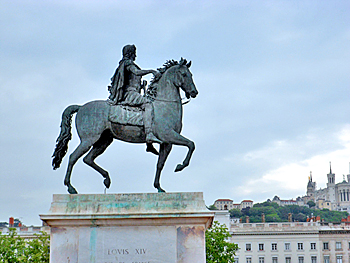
point(161, 108)
point(126, 204)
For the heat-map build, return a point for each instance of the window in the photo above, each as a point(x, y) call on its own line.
point(261, 260)
point(274, 260)
point(337, 245)
point(313, 259)
point(339, 259)
point(286, 246)
point(325, 245)
point(326, 259)
point(300, 246)
point(249, 260)
point(301, 259)
point(313, 246)
point(261, 247)
point(274, 246)
point(248, 247)
point(288, 260)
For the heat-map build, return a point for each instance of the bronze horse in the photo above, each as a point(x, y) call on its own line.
point(96, 131)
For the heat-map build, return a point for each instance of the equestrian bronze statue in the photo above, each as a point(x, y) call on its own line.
point(154, 117)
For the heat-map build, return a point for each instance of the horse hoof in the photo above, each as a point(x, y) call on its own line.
point(179, 168)
point(160, 190)
point(72, 190)
point(107, 182)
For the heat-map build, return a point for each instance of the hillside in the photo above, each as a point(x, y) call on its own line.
point(275, 213)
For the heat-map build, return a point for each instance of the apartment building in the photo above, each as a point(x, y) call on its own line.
point(292, 242)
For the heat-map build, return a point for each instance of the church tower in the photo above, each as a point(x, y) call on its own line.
point(330, 176)
point(331, 188)
point(311, 187)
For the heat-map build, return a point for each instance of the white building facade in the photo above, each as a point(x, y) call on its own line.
point(292, 242)
point(227, 204)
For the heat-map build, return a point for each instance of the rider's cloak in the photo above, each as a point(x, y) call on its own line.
point(118, 81)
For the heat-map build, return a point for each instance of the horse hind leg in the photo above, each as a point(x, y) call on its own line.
point(82, 148)
point(98, 148)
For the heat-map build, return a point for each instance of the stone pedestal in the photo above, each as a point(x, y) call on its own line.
point(128, 228)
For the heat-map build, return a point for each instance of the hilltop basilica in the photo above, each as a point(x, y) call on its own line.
point(334, 197)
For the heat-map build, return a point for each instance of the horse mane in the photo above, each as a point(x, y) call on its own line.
point(152, 89)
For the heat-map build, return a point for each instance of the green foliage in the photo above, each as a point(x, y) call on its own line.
point(218, 247)
point(273, 218)
point(15, 249)
point(234, 213)
point(311, 204)
point(12, 248)
point(270, 204)
point(275, 213)
point(212, 207)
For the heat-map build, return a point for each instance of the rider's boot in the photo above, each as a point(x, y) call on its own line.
point(150, 137)
point(150, 148)
point(147, 118)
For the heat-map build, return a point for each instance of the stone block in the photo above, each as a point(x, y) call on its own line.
point(128, 228)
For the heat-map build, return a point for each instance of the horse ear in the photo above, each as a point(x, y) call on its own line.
point(188, 65)
point(183, 61)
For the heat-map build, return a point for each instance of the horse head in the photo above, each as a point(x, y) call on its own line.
point(180, 76)
point(183, 79)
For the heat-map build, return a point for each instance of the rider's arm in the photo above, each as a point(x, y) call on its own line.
point(141, 72)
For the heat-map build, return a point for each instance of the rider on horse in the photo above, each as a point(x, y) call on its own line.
point(125, 89)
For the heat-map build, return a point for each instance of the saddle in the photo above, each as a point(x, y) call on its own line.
point(125, 115)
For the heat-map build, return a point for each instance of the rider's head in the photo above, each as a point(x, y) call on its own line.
point(129, 51)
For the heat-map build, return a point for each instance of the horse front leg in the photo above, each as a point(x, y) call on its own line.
point(164, 151)
point(178, 139)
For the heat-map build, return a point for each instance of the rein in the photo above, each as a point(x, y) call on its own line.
point(177, 101)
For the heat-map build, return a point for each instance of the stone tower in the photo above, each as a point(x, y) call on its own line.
point(311, 187)
point(331, 187)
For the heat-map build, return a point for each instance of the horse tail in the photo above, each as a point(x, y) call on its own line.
point(65, 135)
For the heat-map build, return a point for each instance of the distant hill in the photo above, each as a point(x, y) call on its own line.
point(275, 213)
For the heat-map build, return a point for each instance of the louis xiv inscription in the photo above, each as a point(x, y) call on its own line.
point(124, 252)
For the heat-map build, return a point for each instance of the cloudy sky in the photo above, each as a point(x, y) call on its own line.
point(273, 105)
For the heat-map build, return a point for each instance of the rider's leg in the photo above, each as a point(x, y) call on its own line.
point(147, 119)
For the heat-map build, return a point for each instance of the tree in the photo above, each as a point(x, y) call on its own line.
point(235, 213)
point(212, 207)
point(14, 249)
point(245, 211)
point(218, 247)
point(311, 204)
point(38, 249)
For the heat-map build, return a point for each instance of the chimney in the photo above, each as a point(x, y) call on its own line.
point(11, 222)
point(263, 218)
point(247, 219)
point(289, 217)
